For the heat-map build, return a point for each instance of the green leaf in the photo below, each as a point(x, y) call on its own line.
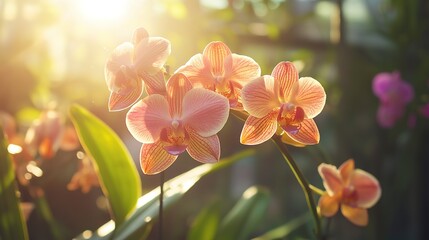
point(206, 223)
point(12, 223)
point(284, 230)
point(116, 170)
point(245, 216)
point(148, 204)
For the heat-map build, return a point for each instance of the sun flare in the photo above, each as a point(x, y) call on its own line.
point(102, 10)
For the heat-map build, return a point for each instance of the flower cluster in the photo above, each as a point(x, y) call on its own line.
point(186, 111)
point(394, 95)
point(45, 136)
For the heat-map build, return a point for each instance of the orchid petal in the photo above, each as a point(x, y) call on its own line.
point(148, 117)
point(151, 55)
point(154, 159)
point(177, 86)
point(70, 140)
point(331, 178)
point(259, 96)
point(242, 69)
point(381, 84)
point(46, 148)
point(287, 75)
point(199, 74)
point(388, 114)
point(346, 171)
point(308, 134)
point(155, 84)
point(288, 140)
point(328, 206)
point(357, 216)
point(215, 54)
point(118, 102)
point(205, 111)
point(138, 35)
point(203, 149)
point(121, 56)
point(258, 130)
point(310, 96)
point(367, 188)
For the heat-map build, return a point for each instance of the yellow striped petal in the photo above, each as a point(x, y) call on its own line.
point(203, 149)
point(258, 130)
point(154, 159)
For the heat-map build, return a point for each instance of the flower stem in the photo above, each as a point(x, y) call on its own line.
point(301, 180)
point(161, 198)
point(316, 190)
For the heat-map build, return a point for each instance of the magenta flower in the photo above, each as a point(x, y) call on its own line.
point(394, 95)
point(186, 119)
point(131, 63)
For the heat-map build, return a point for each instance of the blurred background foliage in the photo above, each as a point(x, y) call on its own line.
point(53, 52)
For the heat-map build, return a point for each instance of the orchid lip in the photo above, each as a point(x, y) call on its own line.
point(175, 149)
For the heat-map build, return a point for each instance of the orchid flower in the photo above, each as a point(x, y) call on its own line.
point(45, 134)
point(394, 95)
point(132, 62)
point(221, 71)
point(186, 119)
point(353, 189)
point(85, 177)
point(282, 99)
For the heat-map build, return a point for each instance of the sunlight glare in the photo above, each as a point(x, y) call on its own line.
point(102, 10)
point(14, 149)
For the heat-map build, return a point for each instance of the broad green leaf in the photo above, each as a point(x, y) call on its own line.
point(148, 204)
point(245, 216)
point(12, 223)
point(206, 223)
point(116, 170)
point(284, 230)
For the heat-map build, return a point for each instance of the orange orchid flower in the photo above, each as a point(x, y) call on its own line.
point(186, 119)
point(132, 62)
point(85, 178)
point(222, 71)
point(353, 189)
point(282, 99)
point(45, 134)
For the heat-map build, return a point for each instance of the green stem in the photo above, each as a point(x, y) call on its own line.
point(301, 180)
point(316, 190)
point(161, 207)
point(45, 211)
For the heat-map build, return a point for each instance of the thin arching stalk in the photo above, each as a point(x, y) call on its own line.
point(302, 181)
point(161, 199)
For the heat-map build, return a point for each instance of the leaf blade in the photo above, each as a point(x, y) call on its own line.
point(116, 170)
point(12, 223)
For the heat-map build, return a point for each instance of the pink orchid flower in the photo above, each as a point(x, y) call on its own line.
point(222, 71)
point(45, 134)
point(394, 95)
point(353, 189)
point(132, 62)
point(186, 119)
point(286, 100)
